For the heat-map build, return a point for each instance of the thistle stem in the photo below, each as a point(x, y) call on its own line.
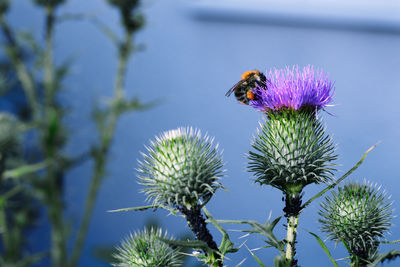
point(292, 222)
point(12, 49)
point(11, 249)
point(55, 172)
point(198, 225)
point(49, 83)
point(292, 212)
point(100, 154)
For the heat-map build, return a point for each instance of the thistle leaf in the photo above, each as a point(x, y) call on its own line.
point(265, 229)
point(226, 246)
point(24, 170)
point(355, 167)
point(256, 258)
point(391, 255)
point(194, 244)
point(324, 247)
point(135, 208)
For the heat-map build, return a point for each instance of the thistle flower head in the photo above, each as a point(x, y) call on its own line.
point(8, 132)
point(358, 214)
point(295, 89)
point(180, 168)
point(145, 249)
point(292, 151)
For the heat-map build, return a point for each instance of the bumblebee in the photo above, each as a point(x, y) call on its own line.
point(244, 89)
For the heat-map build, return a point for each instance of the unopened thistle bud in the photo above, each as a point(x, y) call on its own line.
point(291, 147)
point(358, 215)
point(145, 249)
point(180, 168)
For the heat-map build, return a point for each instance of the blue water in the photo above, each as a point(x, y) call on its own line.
point(190, 63)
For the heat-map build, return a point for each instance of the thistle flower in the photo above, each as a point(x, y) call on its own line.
point(8, 132)
point(291, 151)
point(358, 215)
point(145, 249)
point(180, 168)
point(293, 89)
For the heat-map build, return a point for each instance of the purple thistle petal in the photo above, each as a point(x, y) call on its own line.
point(294, 89)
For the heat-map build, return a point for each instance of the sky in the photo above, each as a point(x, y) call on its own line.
point(190, 59)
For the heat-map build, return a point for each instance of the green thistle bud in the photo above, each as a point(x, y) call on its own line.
point(145, 249)
point(358, 215)
point(181, 168)
point(292, 151)
point(8, 132)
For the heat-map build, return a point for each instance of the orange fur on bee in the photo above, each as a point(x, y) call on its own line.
point(250, 95)
point(246, 74)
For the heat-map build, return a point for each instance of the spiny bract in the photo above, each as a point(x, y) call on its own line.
point(180, 168)
point(292, 151)
point(357, 214)
point(145, 249)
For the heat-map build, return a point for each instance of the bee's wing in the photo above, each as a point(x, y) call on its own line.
point(233, 88)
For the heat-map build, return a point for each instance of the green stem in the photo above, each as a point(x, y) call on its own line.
point(58, 236)
point(49, 82)
point(123, 57)
point(11, 249)
point(100, 156)
point(5, 232)
point(26, 79)
point(55, 172)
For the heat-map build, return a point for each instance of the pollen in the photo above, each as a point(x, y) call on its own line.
point(250, 95)
point(246, 74)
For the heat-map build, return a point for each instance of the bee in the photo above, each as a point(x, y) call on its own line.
point(244, 89)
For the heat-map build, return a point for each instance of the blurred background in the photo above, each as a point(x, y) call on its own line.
point(194, 52)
